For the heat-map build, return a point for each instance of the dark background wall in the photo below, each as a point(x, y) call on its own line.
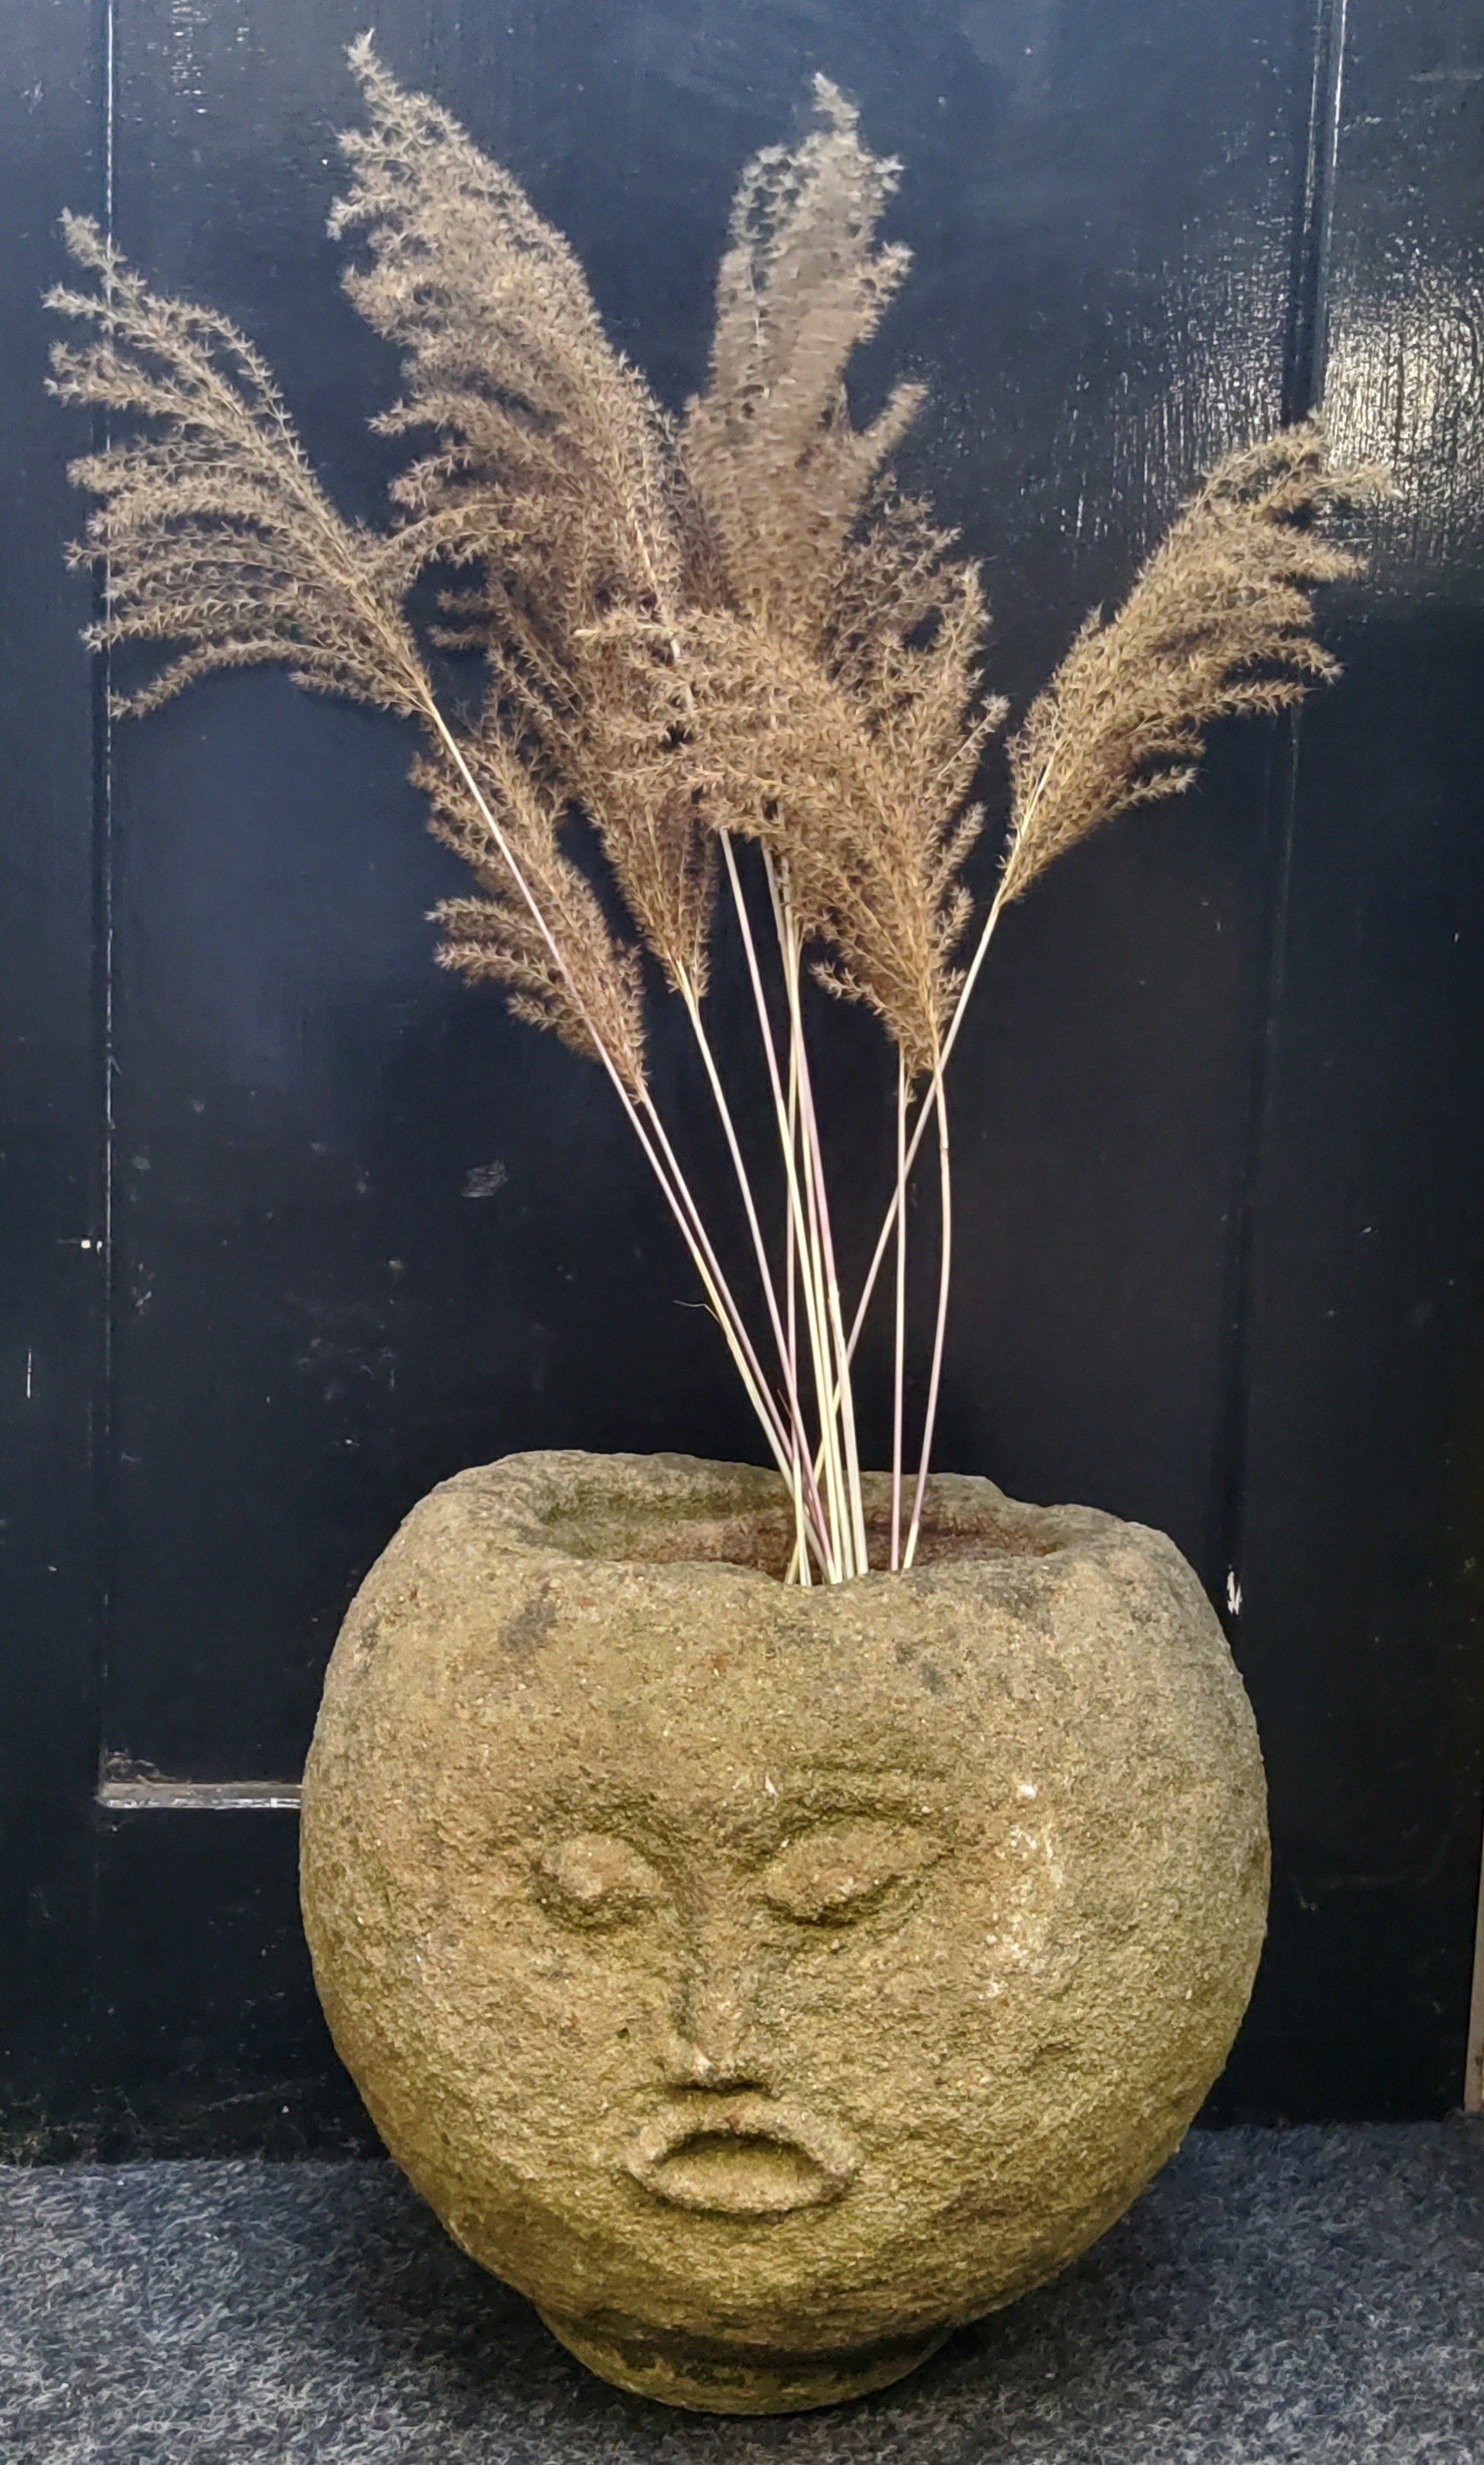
point(293, 1225)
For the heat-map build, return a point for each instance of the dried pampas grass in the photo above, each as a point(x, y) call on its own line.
point(1219, 622)
point(733, 627)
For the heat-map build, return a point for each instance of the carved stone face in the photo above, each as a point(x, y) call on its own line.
point(741, 1903)
point(754, 1976)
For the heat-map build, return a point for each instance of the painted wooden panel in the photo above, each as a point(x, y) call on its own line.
point(1220, 1239)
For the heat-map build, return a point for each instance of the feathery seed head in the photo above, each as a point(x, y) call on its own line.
point(741, 626)
point(1218, 620)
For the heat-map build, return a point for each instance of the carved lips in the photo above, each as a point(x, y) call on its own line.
point(747, 2156)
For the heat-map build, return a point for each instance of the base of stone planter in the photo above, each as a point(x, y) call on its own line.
point(710, 2378)
point(765, 1980)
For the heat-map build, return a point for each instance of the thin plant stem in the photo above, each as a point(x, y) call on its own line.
point(853, 1500)
point(828, 1305)
point(900, 1342)
point(811, 1255)
point(811, 1260)
point(814, 1259)
point(929, 1108)
point(837, 1397)
point(826, 1382)
point(791, 1275)
point(784, 1445)
point(946, 1270)
point(735, 1327)
point(743, 1182)
point(930, 1103)
point(786, 1117)
point(677, 1192)
point(791, 1298)
point(790, 1135)
point(853, 1538)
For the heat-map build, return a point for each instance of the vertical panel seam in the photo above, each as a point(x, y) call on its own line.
point(1303, 388)
point(102, 1468)
point(105, 799)
point(1306, 346)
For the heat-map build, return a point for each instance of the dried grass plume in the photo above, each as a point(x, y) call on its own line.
point(1219, 621)
point(736, 626)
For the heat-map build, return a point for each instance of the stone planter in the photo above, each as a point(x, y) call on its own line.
point(766, 1981)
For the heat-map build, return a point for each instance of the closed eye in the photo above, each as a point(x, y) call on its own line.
point(596, 1880)
point(839, 1874)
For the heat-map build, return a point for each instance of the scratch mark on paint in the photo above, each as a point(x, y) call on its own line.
point(1233, 1593)
point(29, 1357)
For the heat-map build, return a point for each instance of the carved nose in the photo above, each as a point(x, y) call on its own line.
point(711, 2040)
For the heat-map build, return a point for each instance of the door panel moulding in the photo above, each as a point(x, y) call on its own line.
point(202, 1796)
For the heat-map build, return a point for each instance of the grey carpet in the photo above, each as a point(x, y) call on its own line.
point(1314, 2295)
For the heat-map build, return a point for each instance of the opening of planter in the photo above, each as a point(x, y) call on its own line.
point(663, 1511)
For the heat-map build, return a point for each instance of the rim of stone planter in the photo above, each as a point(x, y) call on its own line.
point(763, 1980)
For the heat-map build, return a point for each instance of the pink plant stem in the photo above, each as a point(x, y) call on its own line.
point(946, 1268)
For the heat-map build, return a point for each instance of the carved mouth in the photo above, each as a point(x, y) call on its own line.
point(743, 2156)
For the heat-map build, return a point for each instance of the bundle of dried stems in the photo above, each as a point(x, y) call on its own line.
point(731, 628)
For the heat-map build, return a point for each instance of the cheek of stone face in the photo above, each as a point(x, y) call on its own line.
point(544, 2025)
point(903, 2029)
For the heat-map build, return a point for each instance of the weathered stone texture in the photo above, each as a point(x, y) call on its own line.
point(767, 1980)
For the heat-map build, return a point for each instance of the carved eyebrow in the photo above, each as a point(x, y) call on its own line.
point(904, 1778)
point(894, 1794)
point(754, 1832)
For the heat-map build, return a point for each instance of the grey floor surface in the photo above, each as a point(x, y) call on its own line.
point(1311, 2295)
